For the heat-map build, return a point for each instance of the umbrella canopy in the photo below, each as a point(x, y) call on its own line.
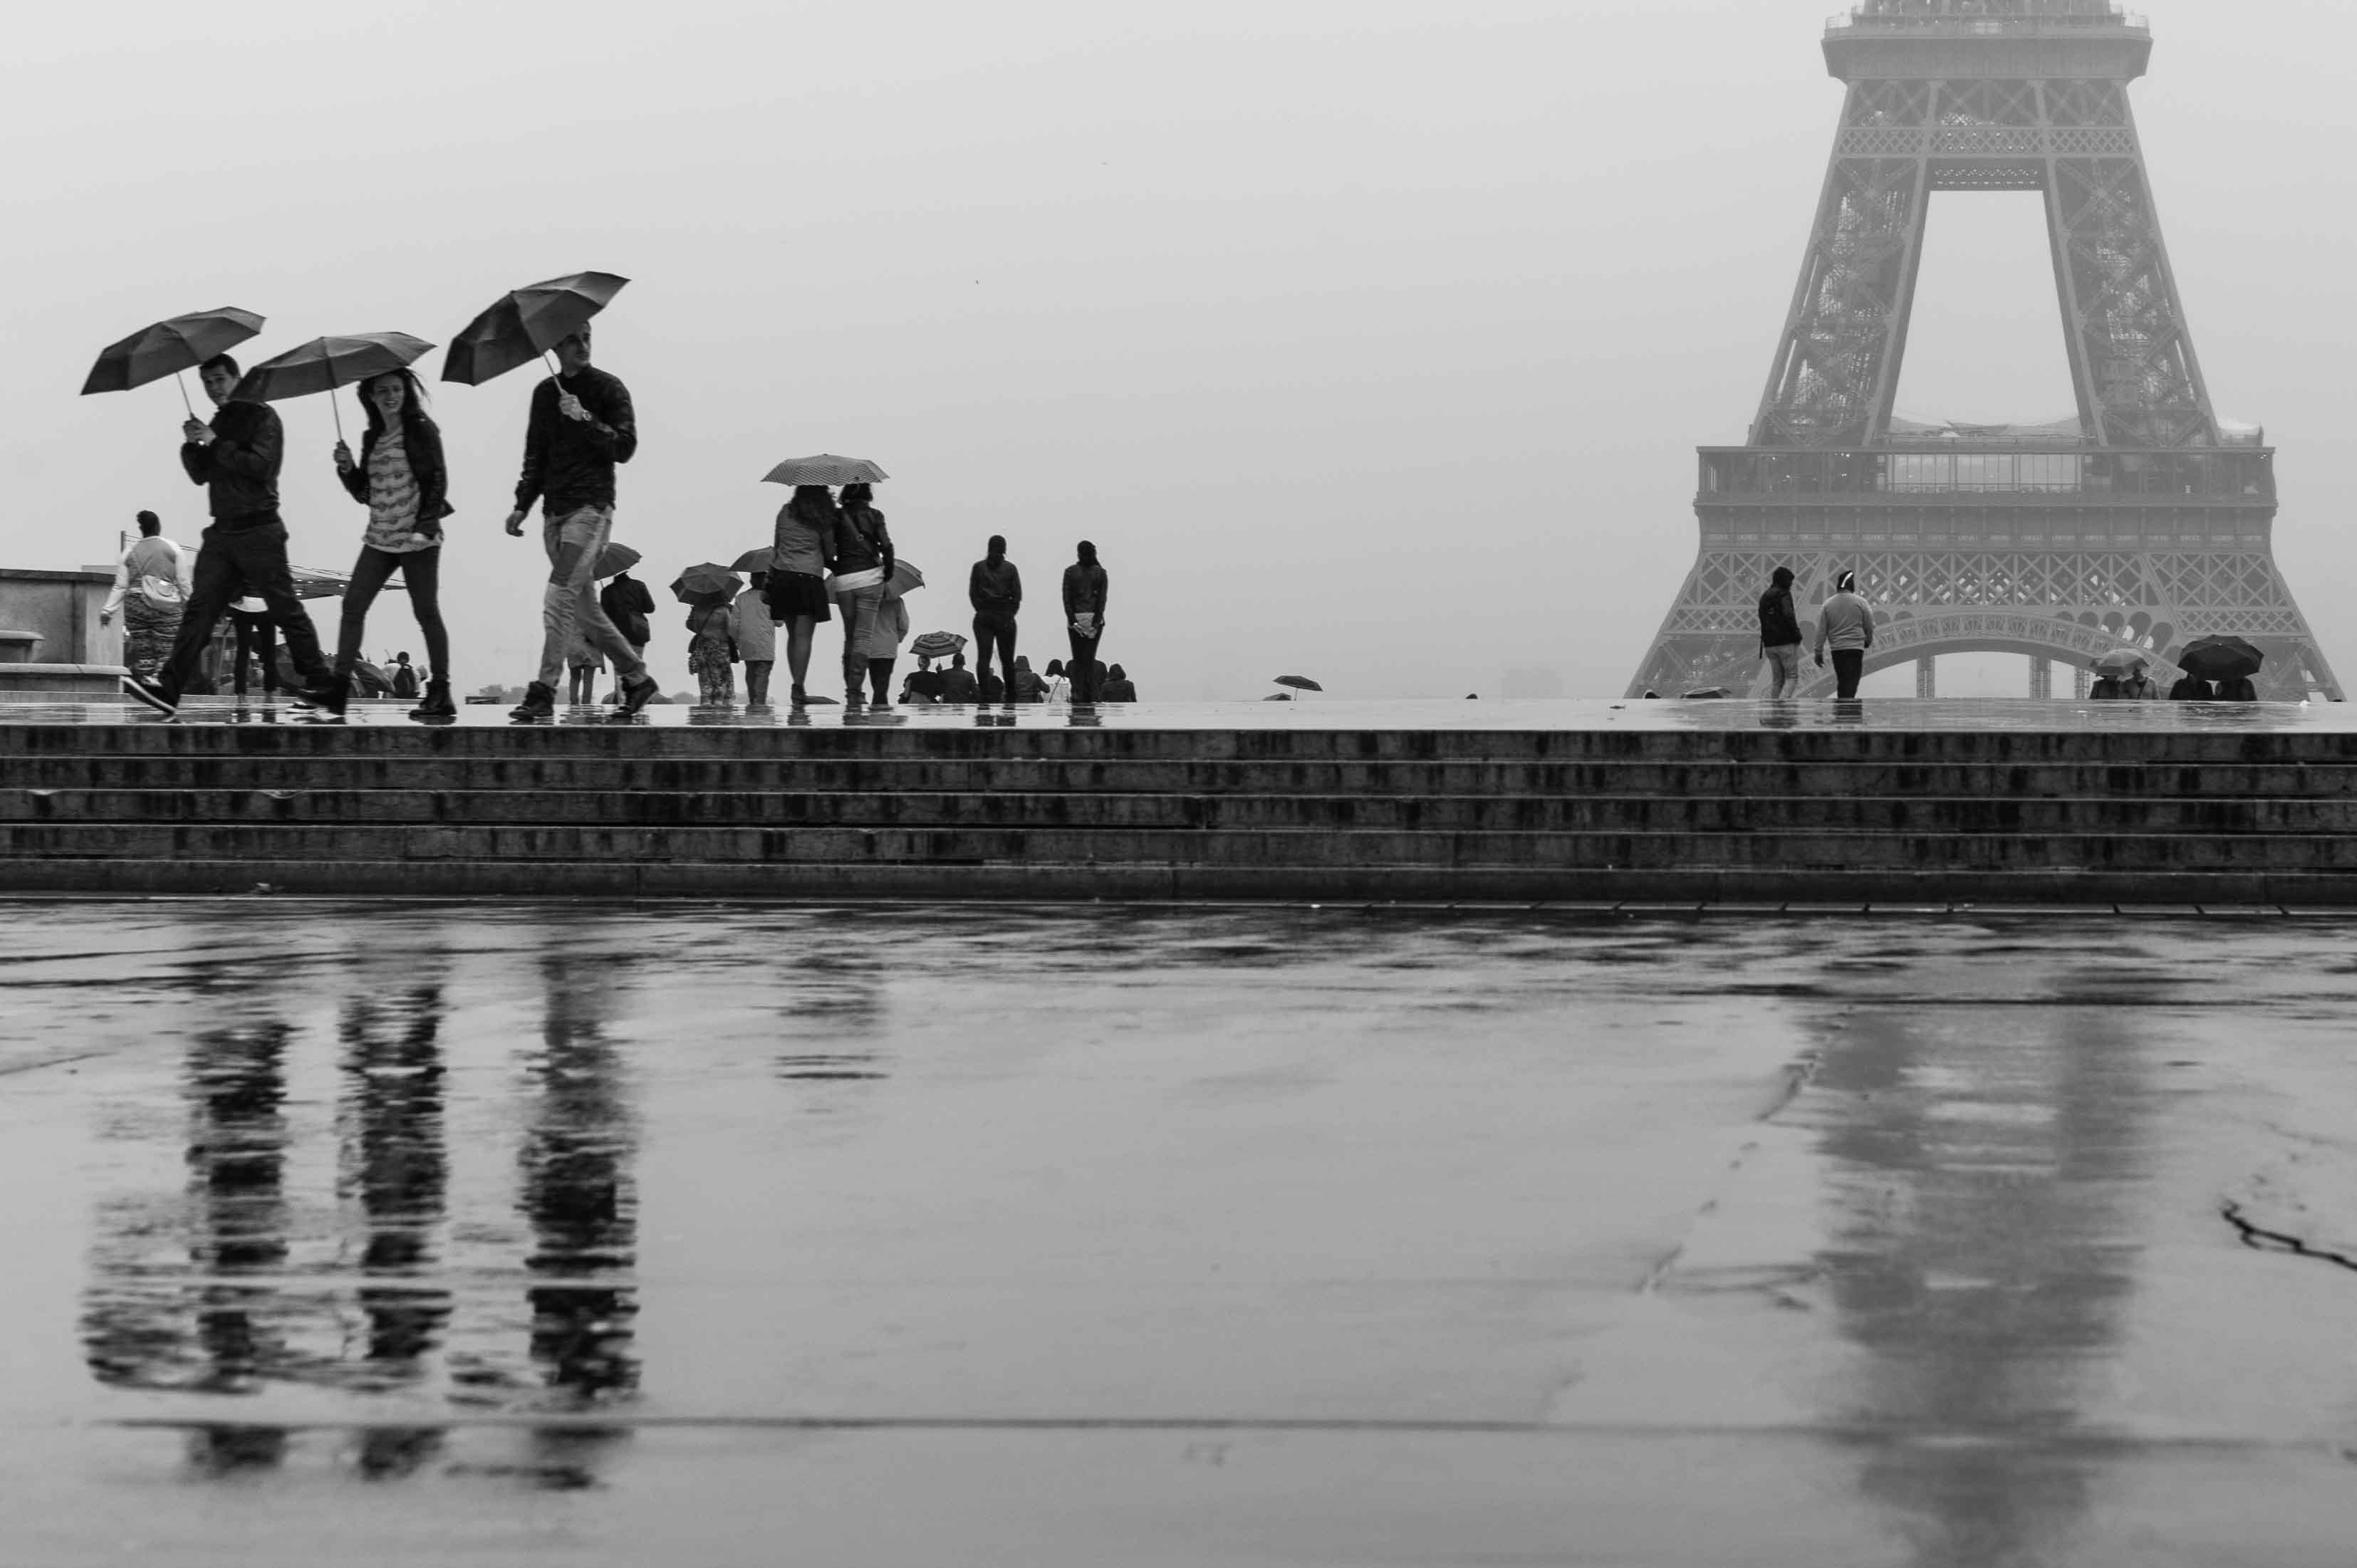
point(708, 584)
point(525, 324)
point(615, 558)
point(937, 645)
point(372, 680)
point(311, 583)
point(754, 560)
point(1299, 683)
point(168, 347)
point(906, 577)
point(325, 363)
point(2122, 661)
point(2220, 658)
point(826, 468)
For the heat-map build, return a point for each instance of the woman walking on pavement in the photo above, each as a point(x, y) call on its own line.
point(863, 565)
point(403, 481)
point(1084, 603)
point(802, 551)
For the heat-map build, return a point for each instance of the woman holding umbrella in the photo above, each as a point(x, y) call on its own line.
point(402, 478)
point(801, 552)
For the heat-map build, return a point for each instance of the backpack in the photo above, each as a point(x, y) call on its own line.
point(405, 681)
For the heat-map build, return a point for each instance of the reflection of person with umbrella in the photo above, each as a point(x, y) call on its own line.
point(401, 477)
point(236, 457)
point(581, 425)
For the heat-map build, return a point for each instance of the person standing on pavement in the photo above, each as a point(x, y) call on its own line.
point(1845, 625)
point(1084, 605)
point(402, 478)
point(995, 590)
point(1780, 635)
point(800, 551)
point(582, 426)
point(757, 639)
point(628, 604)
point(236, 457)
point(151, 589)
point(886, 633)
point(711, 650)
point(863, 566)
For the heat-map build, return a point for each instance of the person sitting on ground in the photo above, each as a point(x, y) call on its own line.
point(924, 683)
point(1029, 687)
point(1060, 685)
point(404, 677)
point(1119, 687)
point(958, 685)
point(993, 689)
point(2189, 689)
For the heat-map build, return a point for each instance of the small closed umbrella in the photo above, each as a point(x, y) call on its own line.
point(615, 558)
point(525, 323)
point(938, 645)
point(706, 583)
point(1299, 683)
point(325, 363)
point(754, 560)
point(168, 347)
point(826, 468)
point(2220, 658)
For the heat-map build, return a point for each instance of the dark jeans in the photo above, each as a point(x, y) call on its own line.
point(1082, 669)
point(879, 680)
point(230, 563)
point(421, 570)
point(994, 629)
point(1849, 663)
point(253, 640)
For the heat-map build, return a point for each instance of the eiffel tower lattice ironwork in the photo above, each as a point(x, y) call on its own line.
point(2142, 523)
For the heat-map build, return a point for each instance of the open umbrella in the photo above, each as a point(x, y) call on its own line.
point(826, 468)
point(2220, 658)
point(527, 323)
point(708, 584)
point(325, 363)
point(168, 347)
point(2122, 661)
point(906, 577)
point(754, 560)
point(1299, 683)
point(937, 645)
point(615, 558)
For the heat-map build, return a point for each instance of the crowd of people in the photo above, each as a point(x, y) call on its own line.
point(831, 555)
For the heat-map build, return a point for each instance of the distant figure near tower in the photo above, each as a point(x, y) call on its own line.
point(2141, 524)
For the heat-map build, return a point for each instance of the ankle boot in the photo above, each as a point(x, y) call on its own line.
point(436, 703)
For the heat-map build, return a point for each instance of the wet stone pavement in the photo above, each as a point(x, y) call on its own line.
point(713, 1235)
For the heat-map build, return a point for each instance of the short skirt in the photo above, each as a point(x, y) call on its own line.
point(795, 595)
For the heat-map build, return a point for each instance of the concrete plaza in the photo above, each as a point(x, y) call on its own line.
point(715, 1234)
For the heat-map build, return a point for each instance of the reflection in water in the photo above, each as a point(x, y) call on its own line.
point(582, 1204)
point(1982, 1261)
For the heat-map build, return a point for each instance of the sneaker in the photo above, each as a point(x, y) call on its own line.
point(139, 688)
point(328, 698)
point(637, 694)
point(539, 704)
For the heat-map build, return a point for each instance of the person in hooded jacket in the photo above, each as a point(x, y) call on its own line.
point(402, 478)
point(1780, 635)
point(1119, 687)
point(1085, 584)
point(1845, 625)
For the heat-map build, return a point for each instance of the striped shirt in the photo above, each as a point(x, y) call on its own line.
point(393, 494)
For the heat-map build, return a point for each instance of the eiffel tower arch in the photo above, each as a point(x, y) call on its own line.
point(2142, 522)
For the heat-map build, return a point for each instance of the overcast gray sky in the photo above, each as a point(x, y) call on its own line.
point(1368, 339)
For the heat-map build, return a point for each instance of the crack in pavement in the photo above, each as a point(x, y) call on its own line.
point(2260, 1240)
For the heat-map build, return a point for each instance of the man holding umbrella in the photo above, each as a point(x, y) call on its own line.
point(582, 426)
point(236, 457)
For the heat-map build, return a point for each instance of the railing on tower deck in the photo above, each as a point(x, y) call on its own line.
point(2213, 474)
point(1992, 18)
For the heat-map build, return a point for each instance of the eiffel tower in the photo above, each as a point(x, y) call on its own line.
point(2144, 522)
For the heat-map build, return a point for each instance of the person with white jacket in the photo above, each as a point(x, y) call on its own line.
point(151, 584)
point(1845, 625)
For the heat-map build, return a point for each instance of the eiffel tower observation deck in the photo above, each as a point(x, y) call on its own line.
point(2143, 520)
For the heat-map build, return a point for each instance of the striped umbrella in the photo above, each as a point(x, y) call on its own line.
point(826, 468)
point(708, 584)
point(938, 645)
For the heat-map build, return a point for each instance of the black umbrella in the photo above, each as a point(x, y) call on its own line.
point(2220, 658)
point(168, 347)
point(525, 324)
point(1299, 683)
point(709, 583)
point(325, 363)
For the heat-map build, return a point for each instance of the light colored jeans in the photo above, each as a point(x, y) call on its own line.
point(860, 608)
point(574, 542)
point(1783, 670)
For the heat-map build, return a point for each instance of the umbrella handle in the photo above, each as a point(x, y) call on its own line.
point(180, 379)
point(338, 412)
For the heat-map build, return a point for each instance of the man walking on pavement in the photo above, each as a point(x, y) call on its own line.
point(995, 590)
point(1780, 635)
point(582, 425)
point(236, 458)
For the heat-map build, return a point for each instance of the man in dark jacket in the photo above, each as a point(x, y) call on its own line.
point(996, 589)
point(582, 426)
point(1780, 635)
point(236, 458)
point(1084, 603)
point(628, 604)
point(1119, 687)
point(958, 685)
